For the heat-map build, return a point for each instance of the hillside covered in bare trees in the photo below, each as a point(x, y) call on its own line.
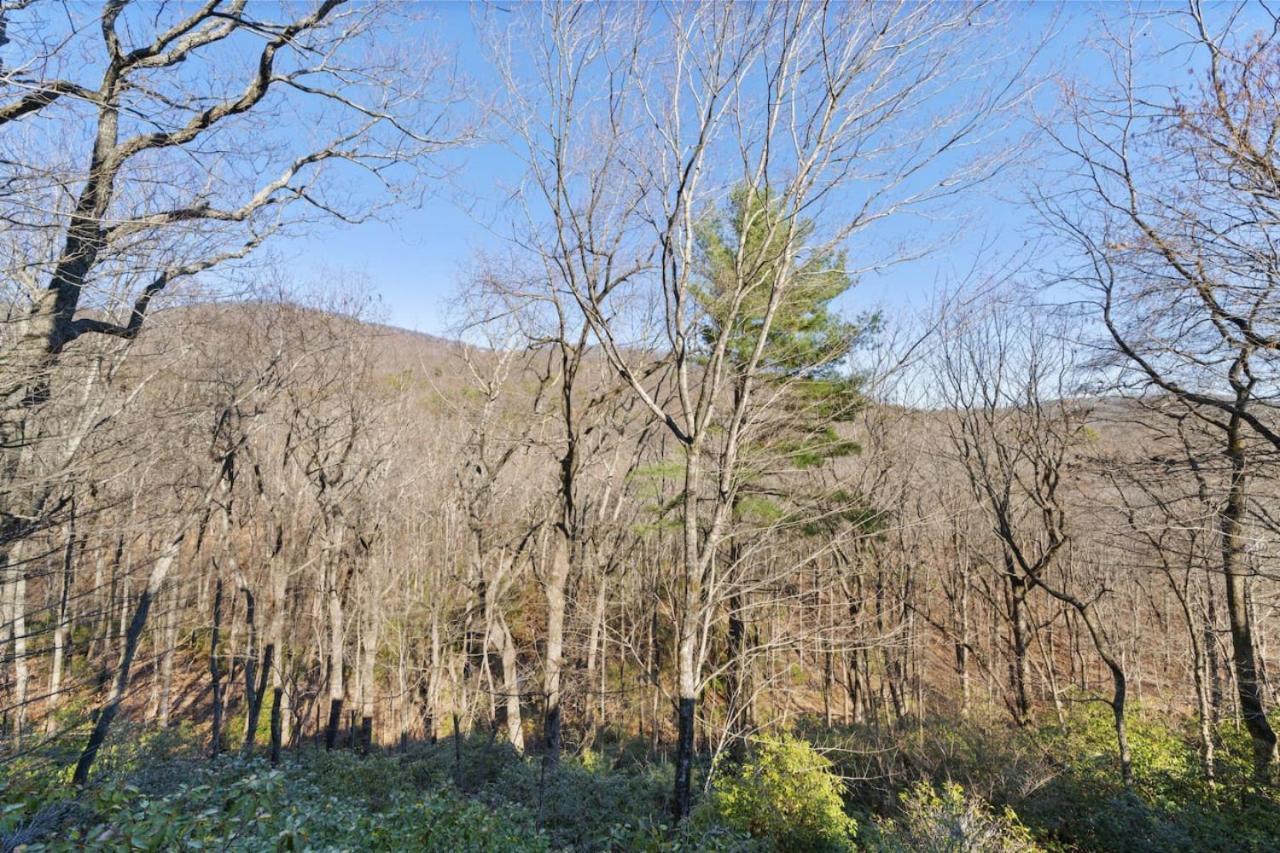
point(668, 542)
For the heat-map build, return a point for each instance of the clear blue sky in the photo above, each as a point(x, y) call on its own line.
point(414, 259)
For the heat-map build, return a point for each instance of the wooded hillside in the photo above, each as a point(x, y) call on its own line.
point(665, 546)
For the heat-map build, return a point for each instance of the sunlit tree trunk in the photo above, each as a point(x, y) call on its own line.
point(1235, 572)
point(557, 575)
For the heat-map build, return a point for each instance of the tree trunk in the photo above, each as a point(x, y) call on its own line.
point(433, 685)
point(368, 648)
point(687, 622)
point(1020, 667)
point(1118, 713)
point(688, 688)
point(255, 696)
point(511, 688)
point(596, 657)
point(62, 622)
point(250, 670)
point(962, 646)
point(1236, 574)
point(1213, 661)
point(277, 717)
point(166, 660)
point(1119, 687)
point(655, 680)
point(684, 757)
point(17, 568)
point(1204, 709)
point(738, 677)
point(280, 696)
point(1200, 677)
point(556, 577)
point(215, 733)
point(337, 684)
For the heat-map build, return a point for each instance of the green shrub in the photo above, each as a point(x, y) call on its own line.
point(700, 836)
point(985, 755)
point(1056, 784)
point(1171, 806)
point(786, 794)
point(580, 805)
point(945, 820)
point(322, 802)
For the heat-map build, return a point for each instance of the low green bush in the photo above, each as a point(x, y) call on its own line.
point(1171, 806)
point(985, 755)
point(787, 795)
point(944, 819)
point(580, 806)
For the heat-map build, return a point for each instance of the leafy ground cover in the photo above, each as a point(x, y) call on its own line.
point(934, 786)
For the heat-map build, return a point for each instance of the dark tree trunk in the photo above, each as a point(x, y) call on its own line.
point(255, 697)
point(738, 679)
point(684, 760)
point(1019, 666)
point(277, 723)
point(457, 751)
point(109, 710)
point(215, 734)
point(1119, 691)
point(335, 723)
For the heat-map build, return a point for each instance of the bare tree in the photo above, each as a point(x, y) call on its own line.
point(737, 100)
point(1015, 428)
point(1167, 209)
point(126, 175)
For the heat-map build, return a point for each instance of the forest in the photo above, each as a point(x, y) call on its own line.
point(670, 539)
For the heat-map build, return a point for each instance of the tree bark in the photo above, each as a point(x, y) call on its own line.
point(596, 657)
point(511, 688)
point(277, 717)
point(337, 684)
point(738, 676)
point(1019, 666)
point(556, 577)
point(62, 622)
point(368, 649)
point(1235, 573)
point(215, 673)
point(684, 757)
point(250, 669)
point(687, 635)
point(280, 696)
point(255, 697)
point(166, 660)
point(17, 568)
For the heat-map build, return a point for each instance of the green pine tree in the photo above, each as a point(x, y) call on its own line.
point(747, 249)
point(803, 383)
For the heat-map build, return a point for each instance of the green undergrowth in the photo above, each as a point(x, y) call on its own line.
point(922, 786)
point(1061, 781)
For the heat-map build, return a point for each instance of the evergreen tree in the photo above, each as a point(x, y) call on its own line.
point(804, 383)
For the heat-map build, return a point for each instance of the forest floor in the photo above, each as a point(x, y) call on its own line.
point(932, 785)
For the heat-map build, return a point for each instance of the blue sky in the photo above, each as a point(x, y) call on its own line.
point(414, 258)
